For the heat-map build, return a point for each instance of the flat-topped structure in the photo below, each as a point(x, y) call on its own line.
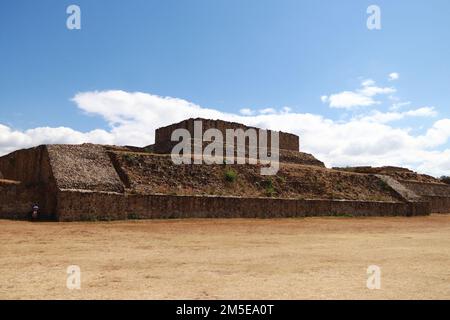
point(100, 182)
point(164, 144)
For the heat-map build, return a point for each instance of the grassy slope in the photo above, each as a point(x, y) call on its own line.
point(149, 173)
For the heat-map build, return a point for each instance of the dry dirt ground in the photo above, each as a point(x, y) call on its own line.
point(309, 258)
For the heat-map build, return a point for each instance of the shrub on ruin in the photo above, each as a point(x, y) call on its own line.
point(269, 187)
point(384, 185)
point(230, 175)
point(270, 191)
point(128, 157)
point(131, 159)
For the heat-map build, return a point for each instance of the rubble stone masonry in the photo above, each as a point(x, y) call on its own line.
point(163, 143)
point(85, 205)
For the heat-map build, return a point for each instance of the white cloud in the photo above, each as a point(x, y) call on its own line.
point(422, 112)
point(349, 99)
point(250, 112)
point(362, 97)
point(246, 112)
point(368, 82)
point(437, 135)
point(385, 117)
point(370, 91)
point(398, 105)
point(133, 117)
point(268, 111)
point(11, 140)
point(394, 76)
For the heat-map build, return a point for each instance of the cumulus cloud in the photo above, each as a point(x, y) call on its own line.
point(133, 117)
point(362, 97)
point(268, 111)
point(394, 76)
point(250, 112)
point(11, 140)
point(368, 82)
point(286, 110)
point(348, 100)
point(422, 112)
point(385, 117)
point(246, 112)
point(399, 105)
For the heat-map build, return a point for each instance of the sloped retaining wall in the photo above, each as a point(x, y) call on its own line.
point(437, 194)
point(405, 193)
point(87, 205)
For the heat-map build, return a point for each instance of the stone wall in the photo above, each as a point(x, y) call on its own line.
point(438, 204)
point(163, 143)
point(31, 168)
point(86, 205)
point(76, 205)
point(436, 193)
point(16, 200)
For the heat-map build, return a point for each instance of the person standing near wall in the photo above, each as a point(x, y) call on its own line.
point(35, 212)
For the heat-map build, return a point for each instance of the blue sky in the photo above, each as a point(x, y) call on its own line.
point(227, 56)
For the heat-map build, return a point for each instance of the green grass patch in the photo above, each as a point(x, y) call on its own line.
point(269, 188)
point(230, 175)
